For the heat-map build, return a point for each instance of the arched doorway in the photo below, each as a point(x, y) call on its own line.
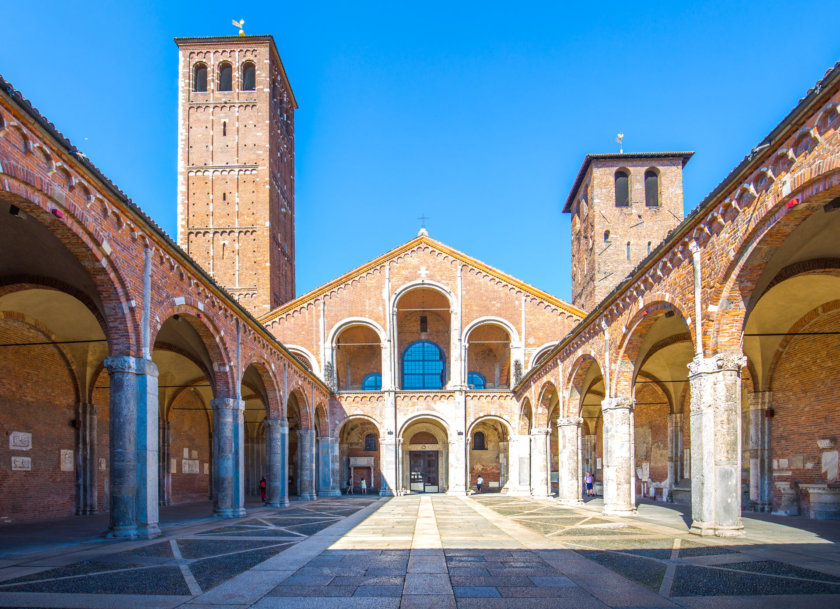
point(488, 357)
point(359, 455)
point(358, 358)
point(425, 456)
point(423, 339)
point(489, 454)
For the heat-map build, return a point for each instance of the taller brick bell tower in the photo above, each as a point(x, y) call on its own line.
point(622, 206)
point(236, 166)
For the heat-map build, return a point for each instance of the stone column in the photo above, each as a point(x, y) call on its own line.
point(133, 439)
point(716, 444)
point(458, 443)
point(388, 465)
point(520, 459)
point(619, 458)
point(86, 470)
point(227, 457)
point(335, 469)
point(306, 464)
point(540, 468)
point(327, 446)
point(569, 489)
point(758, 446)
point(165, 486)
point(277, 450)
point(675, 448)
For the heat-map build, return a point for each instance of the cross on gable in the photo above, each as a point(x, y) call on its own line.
point(423, 272)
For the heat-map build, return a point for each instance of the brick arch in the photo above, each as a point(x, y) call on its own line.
point(322, 421)
point(222, 375)
point(20, 283)
point(541, 416)
point(274, 408)
point(574, 381)
point(306, 415)
point(658, 384)
point(359, 417)
point(626, 362)
point(814, 266)
point(490, 417)
point(190, 386)
point(45, 332)
point(724, 330)
point(526, 417)
point(121, 329)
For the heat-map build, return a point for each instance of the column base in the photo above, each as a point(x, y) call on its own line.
point(457, 492)
point(543, 496)
point(387, 492)
point(307, 497)
point(708, 529)
point(229, 512)
point(149, 531)
point(570, 502)
point(284, 502)
point(330, 493)
point(619, 510)
point(518, 492)
point(124, 532)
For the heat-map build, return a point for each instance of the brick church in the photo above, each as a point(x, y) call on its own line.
point(696, 363)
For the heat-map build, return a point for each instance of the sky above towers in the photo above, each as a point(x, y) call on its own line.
point(477, 115)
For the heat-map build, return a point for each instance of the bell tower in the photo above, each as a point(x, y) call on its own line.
point(236, 163)
point(622, 206)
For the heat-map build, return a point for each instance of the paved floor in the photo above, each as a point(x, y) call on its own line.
point(433, 551)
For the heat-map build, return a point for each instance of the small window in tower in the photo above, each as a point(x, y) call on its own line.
point(249, 77)
point(224, 128)
point(225, 77)
point(224, 196)
point(622, 188)
point(649, 243)
point(651, 188)
point(606, 236)
point(200, 78)
point(370, 443)
point(479, 441)
point(628, 250)
point(424, 323)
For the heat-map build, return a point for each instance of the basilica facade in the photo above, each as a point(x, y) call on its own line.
point(697, 362)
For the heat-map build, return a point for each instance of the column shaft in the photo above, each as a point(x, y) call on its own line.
point(619, 458)
point(228, 444)
point(569, 489)
point(540, 467)
point(306, 464)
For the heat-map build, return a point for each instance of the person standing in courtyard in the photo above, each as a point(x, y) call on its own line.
point(478, 482)
point(262, 488)
point(364, 486)
point(589, 479)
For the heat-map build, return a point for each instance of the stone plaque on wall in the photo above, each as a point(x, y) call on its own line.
point(66, 460)
point(361, 461)
point(194, 454)
point(206, 468)
point(21, 464)
point(189, 466)
point(20, 440)
point(103, 465)
point(186, 453)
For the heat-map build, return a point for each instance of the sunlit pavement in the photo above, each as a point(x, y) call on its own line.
point(490, 551)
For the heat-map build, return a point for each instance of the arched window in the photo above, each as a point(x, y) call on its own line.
point(372, 382)
point(606, 236)
point(651, 188)
point(622, 188)
point(200, 78)
point(628, 250)
point(225, 77)
point(370, 442)
point(476, 380)
point(249, 77)
point(479, 441)
point(423, 366)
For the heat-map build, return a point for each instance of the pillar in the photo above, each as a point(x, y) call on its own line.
point(228, 452)
point(277, 450)
point(520, 464)
point(675, 448)
point(306, 464)
point(86, 471)
point(758, 448)
point(327, 452)
point(133, 445)
point(388, 465)
point(165, 485)
point(619, 458)
point(504, 460)
point(569, 489)
point(458, 444)
point(716, 444)
point(540, 468)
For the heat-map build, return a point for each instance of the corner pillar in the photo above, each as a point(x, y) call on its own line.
point(569, 489)
point(716, 444)
point(133, 446)
point(327, 456)
point(540, 483)
point(619, 459)
point(277, 449)
point(758, 448)
point(306, 464)
point(228, 444)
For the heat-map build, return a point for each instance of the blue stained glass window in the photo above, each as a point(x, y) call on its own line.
point(423, 366)
point(372, 382)
point(476, 380)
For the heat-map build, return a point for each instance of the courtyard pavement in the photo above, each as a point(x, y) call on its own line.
point(429, 551)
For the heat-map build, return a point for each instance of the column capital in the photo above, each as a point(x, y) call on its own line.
point(227, 404)
point(130, 365)
point(279, 423)
point(618, 403)
point(727, 361)
point(570, 422)
point(305, 432)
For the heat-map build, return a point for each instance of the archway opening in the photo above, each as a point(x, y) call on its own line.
point(359, 456)
point(423, 338)
point(488, 456)
point(425, 457)
point(255, 395)
point(586, 391)
point(358, 359)
point(488, 357)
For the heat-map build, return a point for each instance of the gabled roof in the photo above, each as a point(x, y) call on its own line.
point(685, 156)
point(422, 239)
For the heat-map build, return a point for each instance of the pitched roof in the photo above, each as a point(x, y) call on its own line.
point(685, 156)
point(422, 239)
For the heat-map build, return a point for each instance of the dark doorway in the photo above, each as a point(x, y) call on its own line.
point(423, 471)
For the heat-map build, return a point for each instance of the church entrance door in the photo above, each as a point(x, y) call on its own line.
point(423, 471)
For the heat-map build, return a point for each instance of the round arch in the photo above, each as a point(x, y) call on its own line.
point(354, 321)
point(306, 354)
point(426, 414)
point(494, 320)
point(424, 283)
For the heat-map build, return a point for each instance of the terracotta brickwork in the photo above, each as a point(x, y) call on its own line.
point(236, 207)
point(191, 424)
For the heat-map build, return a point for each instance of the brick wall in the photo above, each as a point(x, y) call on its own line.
point(189, 431)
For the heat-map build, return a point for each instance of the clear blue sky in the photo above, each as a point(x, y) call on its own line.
point(476, 114)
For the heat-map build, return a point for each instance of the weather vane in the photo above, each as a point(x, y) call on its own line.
point(620, 141)
point(239, 24)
